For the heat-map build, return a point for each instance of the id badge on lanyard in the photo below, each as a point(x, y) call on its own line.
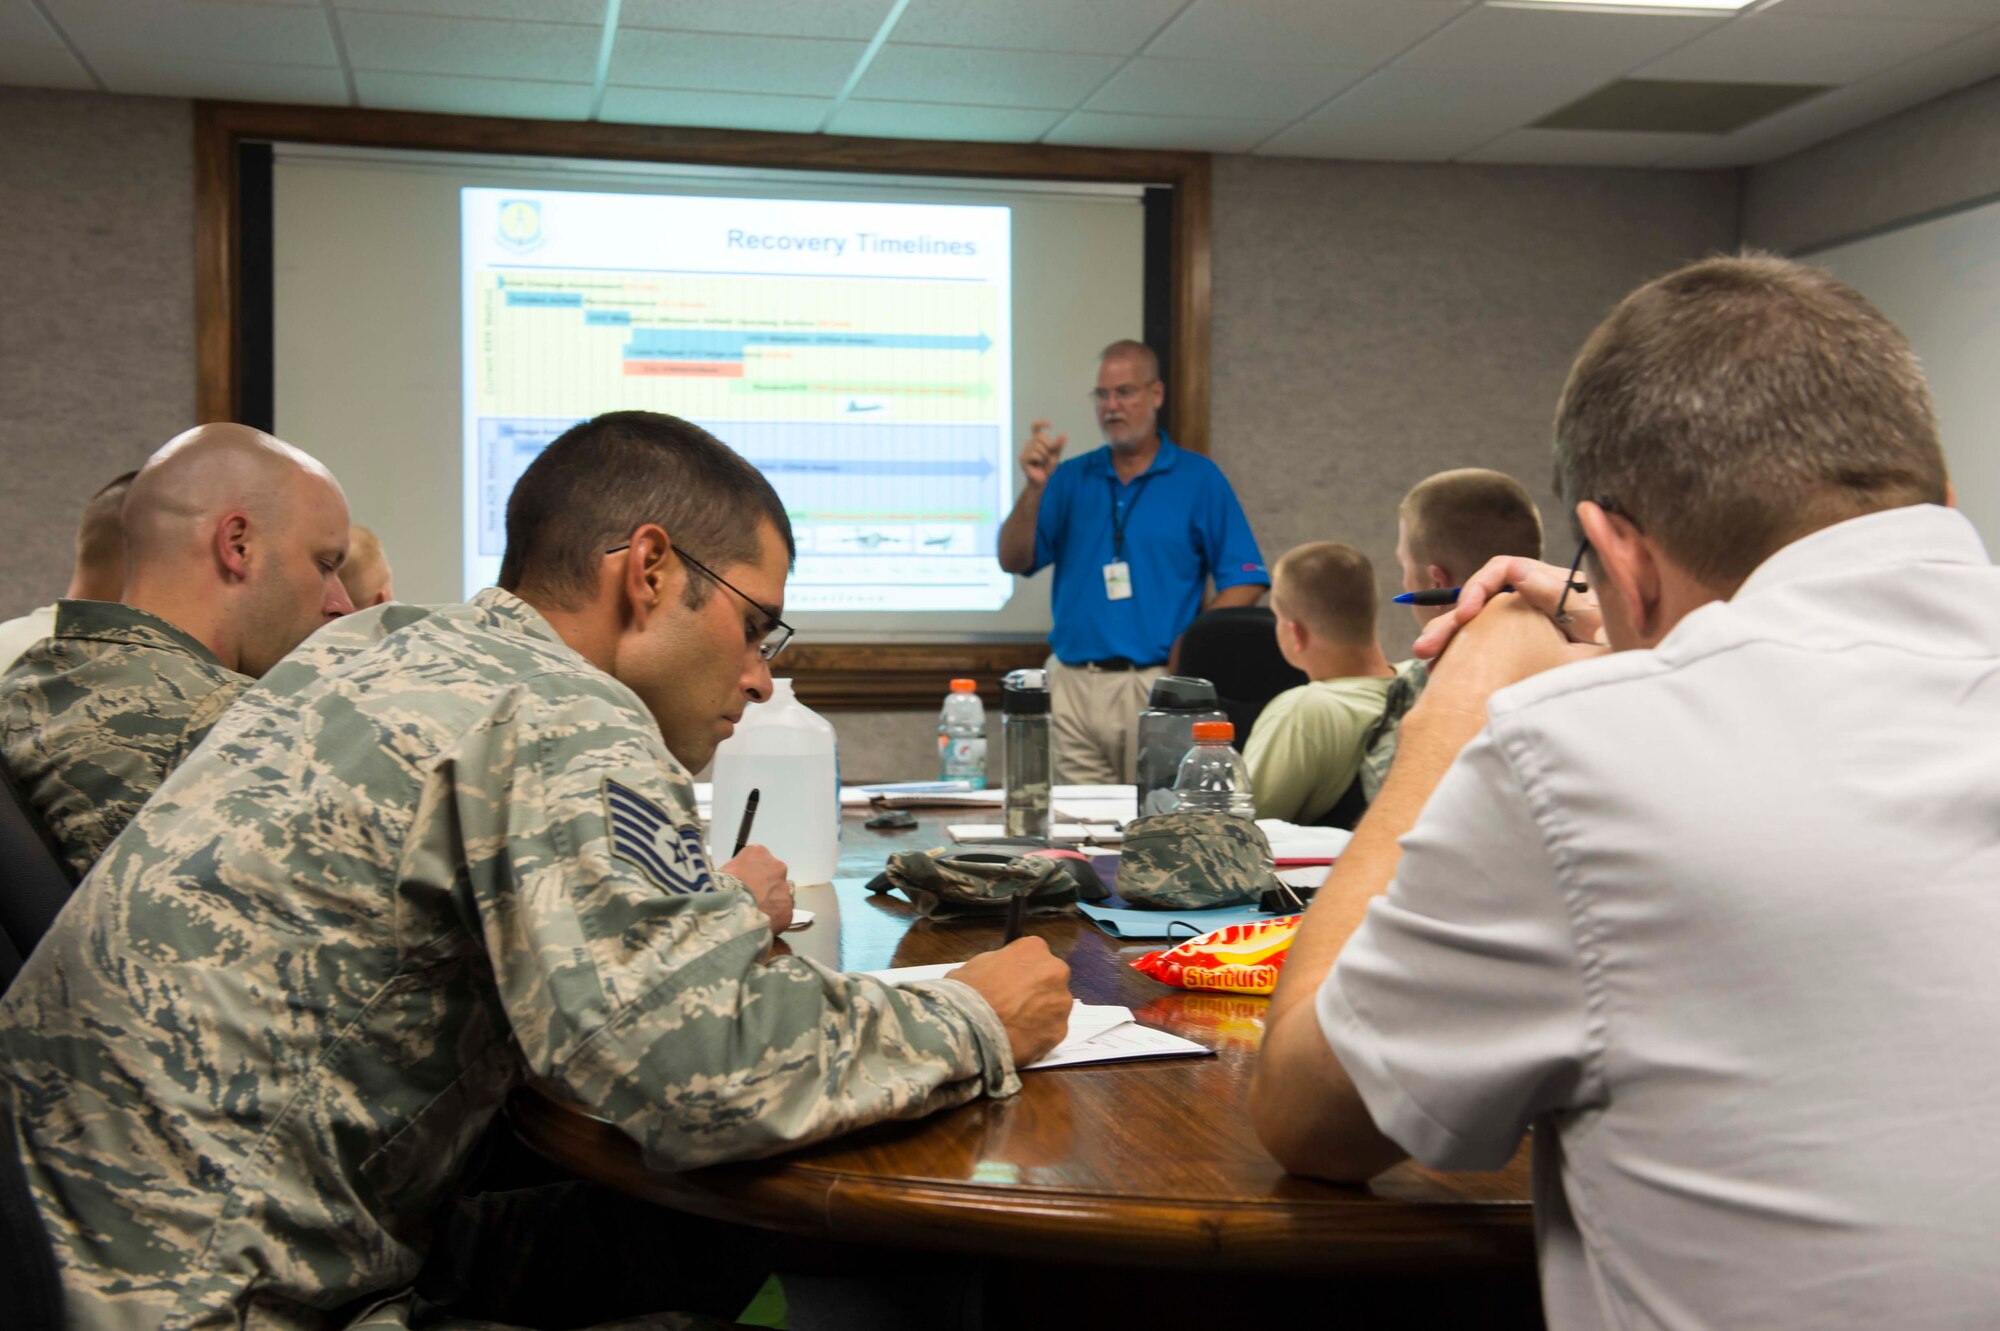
point(1118, 573)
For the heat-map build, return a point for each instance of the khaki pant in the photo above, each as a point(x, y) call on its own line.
point(1094, 716)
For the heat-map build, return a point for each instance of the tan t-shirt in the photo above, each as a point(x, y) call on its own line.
point(1306, 748)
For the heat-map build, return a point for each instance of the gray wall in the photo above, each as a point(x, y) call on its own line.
point(97, 334)
point(1373, 323)
point(1377, 322)
point(1938, 155)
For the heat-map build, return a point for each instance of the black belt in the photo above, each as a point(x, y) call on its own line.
point(1111, 663)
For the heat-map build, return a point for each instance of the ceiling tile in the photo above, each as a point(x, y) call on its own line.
point(854, 19)
point(1335, 32)
point(192, 30)
point(30, 54)
point(1212, 134)
point(222, 80)
point(1957, 66)
point(790, 66)
point(1777, 48)
point(1607, 45)
point(930, 120)
point(41, 67)
point(965, 77)
point(1263, 90)
point(1582, 147)
point(1100, 27)
point(486, 48)
point(537, 11)
point(714, 110)
point(457, 95)
point(1423, 115)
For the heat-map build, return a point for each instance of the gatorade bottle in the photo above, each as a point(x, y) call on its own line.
point(1212, 775)
point(785, 751)
point(962, 735)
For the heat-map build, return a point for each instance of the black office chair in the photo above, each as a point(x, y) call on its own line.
point(34, 879)
point(1236, 649)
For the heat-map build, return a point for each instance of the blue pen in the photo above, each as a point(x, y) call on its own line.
point(1449, 595)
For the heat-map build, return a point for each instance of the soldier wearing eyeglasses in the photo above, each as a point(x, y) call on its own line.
point(437, 854)
point(1136, 531)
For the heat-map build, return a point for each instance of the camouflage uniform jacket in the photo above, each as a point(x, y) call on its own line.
point(1404, 689)
point(433, 855)
point(93, 719)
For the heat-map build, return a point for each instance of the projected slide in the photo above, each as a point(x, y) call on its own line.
point(857, 353)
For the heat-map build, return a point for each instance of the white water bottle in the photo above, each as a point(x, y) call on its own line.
point(787, 753)
point(962, 735)
point(1213, 774)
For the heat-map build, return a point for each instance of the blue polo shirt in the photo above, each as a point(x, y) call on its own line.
point(1182, 526)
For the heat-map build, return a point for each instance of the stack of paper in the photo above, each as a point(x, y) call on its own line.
point(1098, 1033)
point(1289, 841)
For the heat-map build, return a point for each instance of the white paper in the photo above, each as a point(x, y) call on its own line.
point(1098, 1032)
point(1289, 841)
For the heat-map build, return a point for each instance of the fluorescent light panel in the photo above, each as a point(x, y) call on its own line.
point(1724, 6)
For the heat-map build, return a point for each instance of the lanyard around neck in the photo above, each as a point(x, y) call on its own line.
point(1118, 519)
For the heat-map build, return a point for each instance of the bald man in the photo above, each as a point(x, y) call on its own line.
point(366, 574)
point(97, 575)
point(233, 547)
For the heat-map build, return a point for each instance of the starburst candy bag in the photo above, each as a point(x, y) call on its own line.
point(1240, 959)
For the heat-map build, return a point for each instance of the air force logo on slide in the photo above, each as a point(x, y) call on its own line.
point(643, 835)
point(521, 224)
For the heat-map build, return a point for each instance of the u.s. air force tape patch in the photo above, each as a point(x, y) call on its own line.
point(644, 836)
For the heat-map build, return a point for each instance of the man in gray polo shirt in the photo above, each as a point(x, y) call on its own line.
point(1715, 911)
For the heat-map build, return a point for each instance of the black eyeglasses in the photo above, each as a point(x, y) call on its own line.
point(775, 636)
point(1572, 583)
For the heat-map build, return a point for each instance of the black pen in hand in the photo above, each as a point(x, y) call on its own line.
point(1017, 915)
point(749, 817)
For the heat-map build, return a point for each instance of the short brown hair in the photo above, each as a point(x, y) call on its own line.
point(1330, 588)
point(1734, 406)
point(100, 537)
point(604, 478)
point(1460, 519)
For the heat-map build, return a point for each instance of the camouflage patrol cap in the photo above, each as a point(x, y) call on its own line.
point(973, 880)
point(1191, 858)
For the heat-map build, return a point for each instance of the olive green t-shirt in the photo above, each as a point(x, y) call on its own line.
point(1307, 746)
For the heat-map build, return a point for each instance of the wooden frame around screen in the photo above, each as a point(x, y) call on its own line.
point(828, 675)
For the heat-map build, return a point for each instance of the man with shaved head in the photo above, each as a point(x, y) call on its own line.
point(98, 575)
point(233, 547)
point(366, 574)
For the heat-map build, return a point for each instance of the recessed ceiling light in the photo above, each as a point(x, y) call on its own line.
point(1723, 6)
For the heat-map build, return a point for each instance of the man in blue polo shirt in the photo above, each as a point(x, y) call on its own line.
point(1136, 530)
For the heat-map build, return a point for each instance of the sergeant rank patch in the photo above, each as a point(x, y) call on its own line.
point(645, 836)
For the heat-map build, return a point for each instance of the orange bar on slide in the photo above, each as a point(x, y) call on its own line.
point(687, 369)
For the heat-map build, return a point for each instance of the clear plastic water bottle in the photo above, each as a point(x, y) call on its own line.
point(1213, 775)
point(787, 753)
point(962, 735)
point(1166, 729)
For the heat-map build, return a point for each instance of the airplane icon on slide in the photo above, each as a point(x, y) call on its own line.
point(857, 406)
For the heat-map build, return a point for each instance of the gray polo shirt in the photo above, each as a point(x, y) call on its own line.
point(1722, 920)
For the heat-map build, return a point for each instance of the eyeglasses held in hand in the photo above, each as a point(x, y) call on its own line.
point(776, 633)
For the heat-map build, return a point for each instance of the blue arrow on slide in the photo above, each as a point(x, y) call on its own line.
point(876, 466)
point(723, 344)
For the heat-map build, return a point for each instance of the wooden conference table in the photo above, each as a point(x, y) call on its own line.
point(1149, 1165)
